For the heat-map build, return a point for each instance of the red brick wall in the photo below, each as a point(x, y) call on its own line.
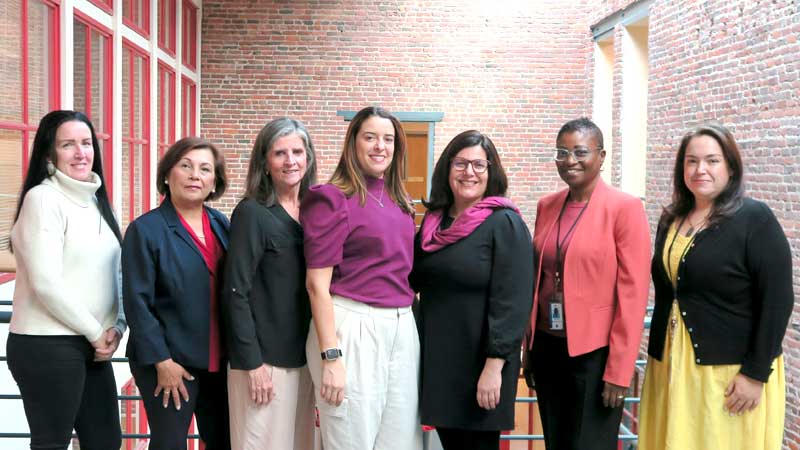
point(736, 63)
point(515, 72)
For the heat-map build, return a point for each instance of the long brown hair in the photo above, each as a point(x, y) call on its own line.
point(349, 176)
point(730, 199)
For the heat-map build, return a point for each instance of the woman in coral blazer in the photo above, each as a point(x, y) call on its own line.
point(593, 247)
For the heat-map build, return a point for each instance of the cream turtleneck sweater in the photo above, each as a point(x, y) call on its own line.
point(68, 262)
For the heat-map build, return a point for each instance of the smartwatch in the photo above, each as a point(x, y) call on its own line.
point(331, 354)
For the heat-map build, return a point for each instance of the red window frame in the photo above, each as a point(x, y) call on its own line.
point(105, 5)
point(189, 34)
point(27, 125)
point(166, 94)
point(132, 20)
point(133, 140)
point(166, 29)
point(189, 118)
point(108, 70)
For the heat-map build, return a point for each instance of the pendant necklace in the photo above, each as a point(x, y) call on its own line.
point(379, 200)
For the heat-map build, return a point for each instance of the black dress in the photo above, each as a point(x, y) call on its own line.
point(475, 300)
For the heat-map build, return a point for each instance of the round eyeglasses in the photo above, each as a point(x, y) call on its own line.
point(478, 165)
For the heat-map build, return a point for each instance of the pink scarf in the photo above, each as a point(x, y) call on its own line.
point(434, 239)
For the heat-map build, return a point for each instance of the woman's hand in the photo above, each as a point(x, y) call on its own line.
point(613, 395)
point(333, 380)
point(170, 380)
point(106, 345)
point(261, 390)
point(743, 394)
point(489, 383)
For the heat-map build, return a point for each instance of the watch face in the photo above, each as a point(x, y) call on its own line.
point(331, 353)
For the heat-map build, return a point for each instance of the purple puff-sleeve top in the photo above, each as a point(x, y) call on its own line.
point(370, 247)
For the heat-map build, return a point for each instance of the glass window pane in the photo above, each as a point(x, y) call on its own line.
point(99, 64)
point(138, 99)
point(40, 36)
point(10, 180)
point(79, 72)
point(11, 67)
point(124, 184)
point(126, 92)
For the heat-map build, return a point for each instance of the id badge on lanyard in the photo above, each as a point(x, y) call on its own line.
point(555, 317)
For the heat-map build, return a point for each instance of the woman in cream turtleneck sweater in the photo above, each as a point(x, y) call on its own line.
point(66, 321)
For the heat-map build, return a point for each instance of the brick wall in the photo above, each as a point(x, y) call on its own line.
point(517, 71)
point(738, 63)
point(514, 71)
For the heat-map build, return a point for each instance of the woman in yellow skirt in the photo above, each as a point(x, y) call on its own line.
point(722, 272)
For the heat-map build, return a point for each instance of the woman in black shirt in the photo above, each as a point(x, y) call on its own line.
point(265, 304)
point(473, 268)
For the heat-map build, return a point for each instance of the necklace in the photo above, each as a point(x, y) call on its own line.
point(379, 200)
point(692, 230)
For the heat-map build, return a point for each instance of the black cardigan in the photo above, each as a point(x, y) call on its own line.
point(734, 291)
point(265, 303)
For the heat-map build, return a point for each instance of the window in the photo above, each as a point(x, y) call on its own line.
point(166, 108)
point(105, 5)
point(92, 87)
point(136, 15)
point(166, 26)
point(135, 133)
point(189, 102)
point(603, 103)
point(189, 35)
point(29, 76)
point(633, 120)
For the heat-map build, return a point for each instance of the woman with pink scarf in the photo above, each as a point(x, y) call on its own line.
point(473, 269)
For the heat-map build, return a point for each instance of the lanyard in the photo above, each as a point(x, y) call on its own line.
point(559, 244)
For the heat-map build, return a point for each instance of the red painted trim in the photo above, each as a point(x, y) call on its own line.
point(17, 126)
point(5, 277)
point(87, 70)
point(131, 22)
point(25, 60)
point(168, 27)
point(107, 70)
point(189, 89)
point(189, 30)
point(105, 6)
point(55, 57)
point(132, 139)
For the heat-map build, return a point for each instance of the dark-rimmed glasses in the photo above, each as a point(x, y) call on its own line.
point(478, 165)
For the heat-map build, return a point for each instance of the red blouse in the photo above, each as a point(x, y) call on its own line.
point(212, 254)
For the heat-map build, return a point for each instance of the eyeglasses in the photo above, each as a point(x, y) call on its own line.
point(478, 165)
point(578, 154)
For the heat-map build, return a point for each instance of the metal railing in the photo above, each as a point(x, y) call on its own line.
point(627, 435)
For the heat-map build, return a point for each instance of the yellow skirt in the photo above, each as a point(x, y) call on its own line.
point(682, 404)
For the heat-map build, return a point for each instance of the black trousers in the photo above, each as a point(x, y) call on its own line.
point(62, 388)
point(570, 397)
point(458, 439)
point(208, 401)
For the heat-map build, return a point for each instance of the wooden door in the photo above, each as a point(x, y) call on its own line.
point(416, 180)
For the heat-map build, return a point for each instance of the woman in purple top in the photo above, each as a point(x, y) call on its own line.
point(363, 350)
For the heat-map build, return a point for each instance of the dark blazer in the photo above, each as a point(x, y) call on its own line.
point(265, 301)
point(734, 291)
point(165, 288)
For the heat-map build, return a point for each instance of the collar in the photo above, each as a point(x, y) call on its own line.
point(82, 193)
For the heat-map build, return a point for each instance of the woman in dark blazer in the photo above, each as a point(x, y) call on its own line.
point(722, 273)
point(265, 302)
point(171, 263)
point(473, 268)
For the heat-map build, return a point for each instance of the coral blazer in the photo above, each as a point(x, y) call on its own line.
point(606, 276)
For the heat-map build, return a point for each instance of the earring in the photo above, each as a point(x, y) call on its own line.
point(51, 169)
point(166, 181)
